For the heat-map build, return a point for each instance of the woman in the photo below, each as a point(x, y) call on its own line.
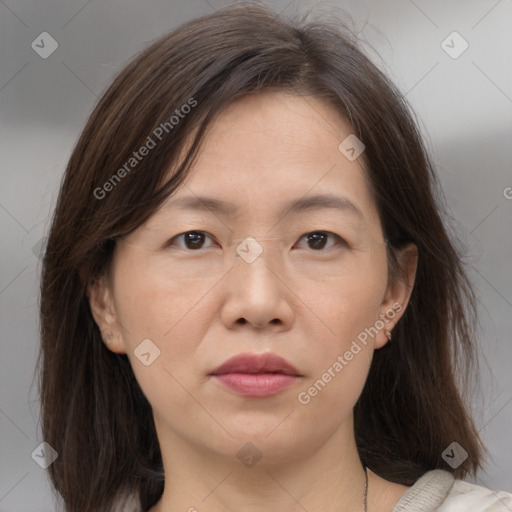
point(249, 299)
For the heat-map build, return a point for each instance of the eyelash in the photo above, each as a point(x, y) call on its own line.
point(339, 239)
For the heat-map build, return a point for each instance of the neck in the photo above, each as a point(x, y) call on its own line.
point(329, 477)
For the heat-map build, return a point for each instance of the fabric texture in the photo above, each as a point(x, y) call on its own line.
point(439, 491)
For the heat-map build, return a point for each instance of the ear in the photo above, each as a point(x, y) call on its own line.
point(398, 292)
point(99, 294)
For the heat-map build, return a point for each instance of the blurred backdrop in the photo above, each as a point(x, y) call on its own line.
point(453, 61)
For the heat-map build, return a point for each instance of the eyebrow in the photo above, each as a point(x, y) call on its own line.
point(315, 202)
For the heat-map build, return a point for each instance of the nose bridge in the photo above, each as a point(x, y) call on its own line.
point(251, 249)
point(256, 257)
point(256, 293)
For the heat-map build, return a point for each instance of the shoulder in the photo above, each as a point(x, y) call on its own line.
point(439, 491)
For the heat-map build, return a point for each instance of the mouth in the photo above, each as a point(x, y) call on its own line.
point(256, 376)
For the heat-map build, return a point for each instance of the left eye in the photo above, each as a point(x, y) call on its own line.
point(317, 240)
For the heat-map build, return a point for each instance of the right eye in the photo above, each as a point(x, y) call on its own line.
point(192, 240)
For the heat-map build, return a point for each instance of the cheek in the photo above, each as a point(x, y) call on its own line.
point(151, 305)
point(154, 305)
point(340, 364)
point(351, 304)
point(152, 301)
point(349, 309)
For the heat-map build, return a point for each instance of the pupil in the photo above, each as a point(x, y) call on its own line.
point(318, 242)
point(194, 239)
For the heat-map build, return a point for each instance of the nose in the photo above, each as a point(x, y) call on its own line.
point(257, 295)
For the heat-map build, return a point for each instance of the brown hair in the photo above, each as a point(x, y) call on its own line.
point(93, 412)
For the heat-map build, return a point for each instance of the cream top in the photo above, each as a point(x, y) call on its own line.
point(439, 491)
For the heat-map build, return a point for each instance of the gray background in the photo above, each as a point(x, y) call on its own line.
point(464, 106)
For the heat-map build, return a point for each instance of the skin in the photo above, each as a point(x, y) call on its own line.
point(201, 306)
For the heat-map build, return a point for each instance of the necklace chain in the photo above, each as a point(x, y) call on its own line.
point(365, 495)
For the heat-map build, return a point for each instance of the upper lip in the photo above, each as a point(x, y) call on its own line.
point(256, 363)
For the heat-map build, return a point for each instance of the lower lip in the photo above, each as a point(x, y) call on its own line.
point(257, 385)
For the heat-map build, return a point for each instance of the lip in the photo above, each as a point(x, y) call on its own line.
point(256, 375)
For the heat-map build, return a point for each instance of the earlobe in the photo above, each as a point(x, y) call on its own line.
point(103, 312)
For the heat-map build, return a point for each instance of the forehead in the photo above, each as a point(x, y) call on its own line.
point(268, 150)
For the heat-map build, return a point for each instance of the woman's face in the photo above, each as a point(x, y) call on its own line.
point(196, 286)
